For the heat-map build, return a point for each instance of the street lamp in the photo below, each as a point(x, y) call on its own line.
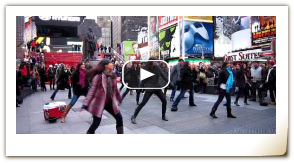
point(199, 45)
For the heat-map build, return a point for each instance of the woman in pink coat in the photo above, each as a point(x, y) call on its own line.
point(103, 95)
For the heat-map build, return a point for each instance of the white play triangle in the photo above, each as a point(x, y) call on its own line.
point(145, 74)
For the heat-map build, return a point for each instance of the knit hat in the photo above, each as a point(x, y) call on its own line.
point(272, 62)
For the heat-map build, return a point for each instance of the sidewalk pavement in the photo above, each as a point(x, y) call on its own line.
point(251, 119)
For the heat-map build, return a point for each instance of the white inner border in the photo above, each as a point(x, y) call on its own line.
point(149, 145)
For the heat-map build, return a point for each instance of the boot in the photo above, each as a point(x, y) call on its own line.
point(229, 113)
point(120, 130)
point(89, 132)
point(236, 103)
point(174, 108)
point(212, 113)
point(133, 119)
point(164, 118)
point(245, 103)
point(67, 109)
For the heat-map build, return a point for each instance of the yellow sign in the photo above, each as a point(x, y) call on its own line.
point(207, 19)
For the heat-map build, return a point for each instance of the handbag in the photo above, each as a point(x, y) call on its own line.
point(202, 75)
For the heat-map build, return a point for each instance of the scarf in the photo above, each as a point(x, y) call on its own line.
point(82, 78)
point(230, 80)
point(109, 79)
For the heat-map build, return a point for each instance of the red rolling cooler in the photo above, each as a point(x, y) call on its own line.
point(53, 110)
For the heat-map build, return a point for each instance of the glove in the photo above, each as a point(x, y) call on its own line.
point(84, 107)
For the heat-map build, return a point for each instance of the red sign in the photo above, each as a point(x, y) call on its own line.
point(164, 21)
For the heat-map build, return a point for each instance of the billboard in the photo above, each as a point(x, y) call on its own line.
point(241, 29)
point(58, 20)
point(207, 19)
point(198, 38)
point(223, 35)
point(169, 42)
point(263, 29)
point(129, 48)
point(165, 21)
point(153, 36)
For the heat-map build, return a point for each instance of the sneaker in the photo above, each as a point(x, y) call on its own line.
point(174, 109)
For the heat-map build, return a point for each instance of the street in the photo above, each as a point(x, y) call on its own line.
point(251, 119)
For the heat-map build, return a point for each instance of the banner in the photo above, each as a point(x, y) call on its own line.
point(59, 20)
point(223, 35)
point(153, 36)
point(250, 55)
point(263, 29)
point(241, 37)
point(169, 43)
point(165, 21)
point(198, 38)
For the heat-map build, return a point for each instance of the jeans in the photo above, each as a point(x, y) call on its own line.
point(74, 100)
point(56, 90)
point(222, 94)
point(181, 95)
point(96, 120)
point(138, 91)
point(172, 96)
point(146, 98)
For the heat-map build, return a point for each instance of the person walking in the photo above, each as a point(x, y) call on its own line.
point(186, 78)
point(51, 76)
point(241, 84)
point(80, 87)
point(134, 73)
point(174, 77)
point(271, 82)
point(62, 82)
point(225, 85)
point(103, 95)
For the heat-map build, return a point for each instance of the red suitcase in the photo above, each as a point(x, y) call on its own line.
point(53, 111)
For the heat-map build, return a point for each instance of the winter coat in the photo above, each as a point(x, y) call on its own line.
point(175, 73)
point(163, 83)
point(62, 81)
point(210, 73)
point(134, 76)
point(186, 77)
point(240, 79)
point(77, 89)
point(223, 77)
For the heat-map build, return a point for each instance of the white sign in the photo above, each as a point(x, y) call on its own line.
point(61, 18)
point(249, 55)
point(145, 74)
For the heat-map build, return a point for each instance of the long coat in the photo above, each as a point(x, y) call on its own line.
point(175, 73)
point(134, 76)
point(96, 97)
point(77, 89)
point(240, 79)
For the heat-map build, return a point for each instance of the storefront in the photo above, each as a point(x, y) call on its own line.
point(56, 37)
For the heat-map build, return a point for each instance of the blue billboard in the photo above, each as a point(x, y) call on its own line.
point(198, 38)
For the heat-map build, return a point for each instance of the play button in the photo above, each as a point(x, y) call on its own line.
point(138, 74)
point(145, 74)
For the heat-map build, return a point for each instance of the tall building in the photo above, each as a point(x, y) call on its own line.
point(116, 31)
point(20, 26)
point(131, 26)
point(105, 23)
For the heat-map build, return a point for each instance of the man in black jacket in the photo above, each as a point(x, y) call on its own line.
point(186, 77)
point(271, 82)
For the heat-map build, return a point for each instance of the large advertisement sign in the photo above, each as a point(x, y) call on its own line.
point(165, 21)
point(129, 48)
point(207, 19)
point(263, 29)
point(223, 31)
point(198, 38)
point(153, 36)
point(59, 20)
point(241, 37)
point(169, 42)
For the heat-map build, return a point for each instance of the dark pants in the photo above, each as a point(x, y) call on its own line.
point(52, 82)
point(138, 91)
point(222, 94)
point(255, 86)
point(121, 87)
point(243, 91)
point(147, 95)
point(56, 90)
point(34, 85)
point(43, 84)
point(96, 120)
point(202, 86)
point(273, 93)
point(181, 95)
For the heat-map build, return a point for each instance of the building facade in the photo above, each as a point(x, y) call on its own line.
point(105, 23)
point(116, 31)
point(20, 26)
